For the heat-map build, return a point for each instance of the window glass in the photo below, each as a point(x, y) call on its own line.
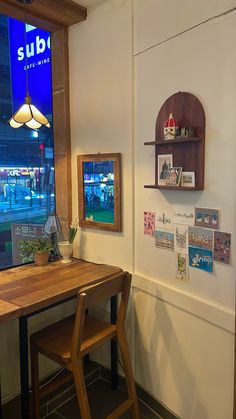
point(27, 190)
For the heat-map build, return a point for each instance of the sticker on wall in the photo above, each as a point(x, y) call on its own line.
point(200, 237)
point(164, 239)
point(149, 223)
point(182, 267)
point(184, 215)
point(205, 217)
point(200, 259)
point(181, 238)
point(222, 246)
point(164, 220)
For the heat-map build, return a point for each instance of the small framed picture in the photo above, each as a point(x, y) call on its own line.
point(173, 176)
point(188, 179)
point(165, 161)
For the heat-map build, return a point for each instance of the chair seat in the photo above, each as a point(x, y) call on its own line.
point(55, 340)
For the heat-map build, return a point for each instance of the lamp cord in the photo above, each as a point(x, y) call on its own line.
point(26, 58)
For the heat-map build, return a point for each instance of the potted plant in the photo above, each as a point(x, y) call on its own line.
point(38, 250)
point(66, 246)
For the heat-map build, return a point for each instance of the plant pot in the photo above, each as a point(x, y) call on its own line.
point(41, 258)
point(65, 249)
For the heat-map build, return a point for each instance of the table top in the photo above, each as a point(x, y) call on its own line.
point(32, 288)
point(9, 311)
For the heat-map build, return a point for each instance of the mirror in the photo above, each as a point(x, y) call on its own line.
point(100, 191)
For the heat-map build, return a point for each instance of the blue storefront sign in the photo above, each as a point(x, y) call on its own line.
point(36, 55)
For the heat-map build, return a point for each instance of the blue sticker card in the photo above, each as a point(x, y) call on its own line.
point(200, 259)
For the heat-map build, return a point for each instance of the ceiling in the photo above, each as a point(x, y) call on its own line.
point(88, 3)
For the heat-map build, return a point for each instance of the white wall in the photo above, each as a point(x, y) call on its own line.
point(101, 114)
point(184, 350)
point(199, 62)
point(183, 333)
point(186, 357)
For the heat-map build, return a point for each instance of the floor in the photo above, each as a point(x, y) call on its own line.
point(62, 404)
point(102, 401)
point(101, 398)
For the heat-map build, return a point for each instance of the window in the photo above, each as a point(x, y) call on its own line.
point(27, 181)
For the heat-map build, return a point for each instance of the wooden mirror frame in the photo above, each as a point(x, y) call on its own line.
point(83, 222)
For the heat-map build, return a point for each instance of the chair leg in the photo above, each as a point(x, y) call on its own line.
point(124, 350)
point(82, 396)
point(35, 382)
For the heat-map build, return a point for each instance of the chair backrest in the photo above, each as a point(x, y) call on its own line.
point(101, 291)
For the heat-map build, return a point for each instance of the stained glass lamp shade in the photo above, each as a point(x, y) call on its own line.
point(28, 114)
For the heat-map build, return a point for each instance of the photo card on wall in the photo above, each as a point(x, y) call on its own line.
point(164, 220)
point(200, 237)
point(222, 247)
point(184, 214)
point(164, 239)
point(182, 267)
point(149, 223)
point(206, 217)
point(200, 259)
point(181, 238)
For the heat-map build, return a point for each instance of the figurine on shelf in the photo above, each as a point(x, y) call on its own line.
point(171, 128)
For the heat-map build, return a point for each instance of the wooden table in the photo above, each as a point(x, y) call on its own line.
point(28, 290)
point(9, 311)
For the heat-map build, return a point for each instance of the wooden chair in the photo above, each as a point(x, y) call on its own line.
point(68, 340)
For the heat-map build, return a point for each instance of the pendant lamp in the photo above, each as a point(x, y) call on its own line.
point(28, 114)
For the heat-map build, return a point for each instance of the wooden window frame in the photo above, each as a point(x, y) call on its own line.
point(55, 16)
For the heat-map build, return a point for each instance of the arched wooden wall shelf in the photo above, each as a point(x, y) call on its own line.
point(188, 152)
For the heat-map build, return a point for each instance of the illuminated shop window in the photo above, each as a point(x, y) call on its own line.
point(27, 189)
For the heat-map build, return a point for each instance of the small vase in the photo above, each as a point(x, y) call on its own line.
point(65, 249)
point(41, 258)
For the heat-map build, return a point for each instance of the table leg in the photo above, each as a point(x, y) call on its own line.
point(24, 367)
point(114, 373)
point(0, 402)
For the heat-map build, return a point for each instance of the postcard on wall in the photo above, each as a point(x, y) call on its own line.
point(182, 267)
point(200, 237)
point(164, 220)
point(164, 239)
point(181, 238)
point(205, 217)
point(184, 215)
point(165, 161)
point(222, 246)
point(200, 259)
point(149, 223)
point(173, 176)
